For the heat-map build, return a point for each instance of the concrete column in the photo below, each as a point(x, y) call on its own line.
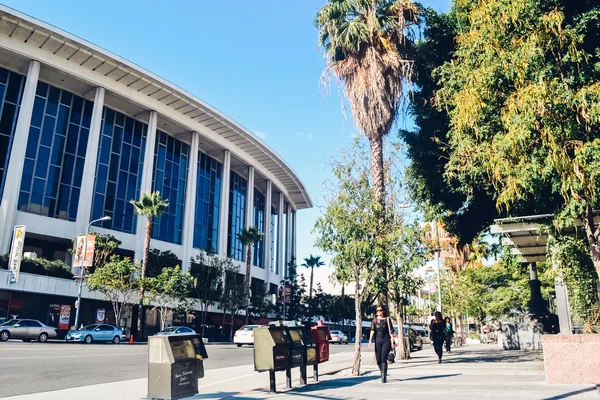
point(86, 195)
point(224, 208)
point(14, 172)
point(288, 237)
point(562, 306)
point(294, 235)
point(250, 199)
point(146, 185)
point(280, 241)
point(267, 233)
point(190, 202)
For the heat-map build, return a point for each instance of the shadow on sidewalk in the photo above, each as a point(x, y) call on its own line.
point(494, 356)
point(574, 393)
point(218, 395)
point(422, 378)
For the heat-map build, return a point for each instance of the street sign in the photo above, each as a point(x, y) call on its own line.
point(16, 253)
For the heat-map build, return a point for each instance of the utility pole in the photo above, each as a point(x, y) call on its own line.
point(439, 281)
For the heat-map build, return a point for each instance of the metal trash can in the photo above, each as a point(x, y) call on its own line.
point(174, 365)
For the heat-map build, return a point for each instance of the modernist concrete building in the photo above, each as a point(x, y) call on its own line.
point(83, 132)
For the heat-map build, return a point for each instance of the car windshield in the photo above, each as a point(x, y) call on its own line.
point(10, 323)
point(171, 329)
point(90, 327)
point(247, 328)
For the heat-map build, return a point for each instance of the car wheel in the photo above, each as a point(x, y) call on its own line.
point(239, 345)
point(116, 340)
point(88, 339)
point(27, 340)
point(4, 336)
point(43, 337)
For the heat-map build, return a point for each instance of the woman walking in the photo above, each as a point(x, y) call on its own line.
point(381, 329)
point(449, 334)
point(437, 334)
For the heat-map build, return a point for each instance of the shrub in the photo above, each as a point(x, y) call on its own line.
point(40, 266)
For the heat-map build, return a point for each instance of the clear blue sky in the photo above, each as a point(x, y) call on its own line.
point(257, 61)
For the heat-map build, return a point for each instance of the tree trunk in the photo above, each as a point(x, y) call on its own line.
point(402, 353)
point(231, 327)
point(248, 279)
point(459, 330)
point(141, 323)
point(312, 271)
point(358, 331)
point(592, 233)
point(378, 176)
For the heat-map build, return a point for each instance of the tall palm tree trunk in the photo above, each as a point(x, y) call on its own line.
point(312, 271)
point(248, 279)
point(141, 317)
point(378, 175)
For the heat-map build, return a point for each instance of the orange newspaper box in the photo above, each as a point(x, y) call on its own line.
point(321, 335)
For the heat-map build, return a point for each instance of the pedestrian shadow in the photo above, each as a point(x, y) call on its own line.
point(573, 393)
point(422, 378)
point(218, 395)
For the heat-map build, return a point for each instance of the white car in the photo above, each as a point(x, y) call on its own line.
point(338, 337)
point(176, 330)
point(245, 335)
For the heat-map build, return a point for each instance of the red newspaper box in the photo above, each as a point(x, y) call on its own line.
point(321, 335)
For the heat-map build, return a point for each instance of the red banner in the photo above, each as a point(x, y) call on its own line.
point(65, 316)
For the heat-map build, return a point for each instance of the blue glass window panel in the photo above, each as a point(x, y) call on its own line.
point(11, 91)
point(259, 222)
point(76, 110)
point(88, 108)
point(84, 135)
point(115, 185)
point(237, 215)
point(169, 157)
point(207, 204)
point(23, 200)
point(52, 105)
point(50, 153)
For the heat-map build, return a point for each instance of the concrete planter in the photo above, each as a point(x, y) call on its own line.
point(572, 359)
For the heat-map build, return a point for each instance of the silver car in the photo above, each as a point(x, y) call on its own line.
point(176, 330)
point(27, 330)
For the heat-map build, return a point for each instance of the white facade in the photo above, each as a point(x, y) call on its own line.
point(45, 54)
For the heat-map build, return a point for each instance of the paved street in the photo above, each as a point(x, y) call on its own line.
point(41, 367)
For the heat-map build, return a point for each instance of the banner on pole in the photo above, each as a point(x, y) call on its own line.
point(65, 316)
point(16, 253)
point(83, 260)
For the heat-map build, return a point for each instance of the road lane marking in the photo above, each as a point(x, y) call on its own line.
point(73, 356)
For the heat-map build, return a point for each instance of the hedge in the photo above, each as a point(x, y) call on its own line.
point(40, 266)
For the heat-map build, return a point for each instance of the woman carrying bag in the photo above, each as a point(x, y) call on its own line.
point(381, 328)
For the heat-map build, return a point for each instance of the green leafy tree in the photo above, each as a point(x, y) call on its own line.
point(524, 104)
point(170, 292)
point(368, 46)
point(312, 262)
point(116, 280)
point(150, 206)
point(249, 238)
point(354, 235)
point(207, 271)
point(234, 296)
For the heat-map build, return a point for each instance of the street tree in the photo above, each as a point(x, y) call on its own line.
point(150, 206)
point(116, 280)
point(249, 238)
point(170, 292)
point(207, 271)
point(312, 262)
point(296, 308)
point(234, 295)
point(524, 105)
point(368, 47)
point(351, 232)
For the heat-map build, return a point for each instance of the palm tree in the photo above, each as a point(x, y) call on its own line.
point(367, 45)
point(151, 206)
point(249, 237)
point(312, 262)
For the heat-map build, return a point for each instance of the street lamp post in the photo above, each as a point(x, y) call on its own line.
point(87, 231)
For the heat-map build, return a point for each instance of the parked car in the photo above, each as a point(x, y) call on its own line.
point(95, 333)
point(26, 330)
point(416, 343)
point(424, 333)
point(176, 330)
point(245, 335)
point(338, 337)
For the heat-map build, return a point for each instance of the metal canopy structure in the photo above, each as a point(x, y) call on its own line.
point(526, 236)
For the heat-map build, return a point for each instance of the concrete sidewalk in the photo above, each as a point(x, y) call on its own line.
point(470, 372)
